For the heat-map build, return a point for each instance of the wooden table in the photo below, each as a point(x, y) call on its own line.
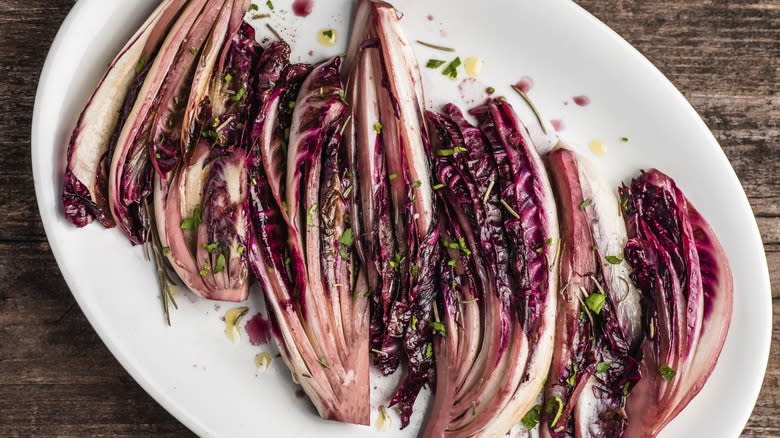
point(57, 377)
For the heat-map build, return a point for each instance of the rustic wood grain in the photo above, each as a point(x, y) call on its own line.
point(58, 379)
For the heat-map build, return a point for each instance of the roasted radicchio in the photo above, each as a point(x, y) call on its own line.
point(497, 276)
point(303, 243)
point(85, 192)
point(598, 329)
point(387, 143)
point(687, 298)
point(201, 191)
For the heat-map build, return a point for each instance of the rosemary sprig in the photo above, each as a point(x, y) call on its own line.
point(273, 31)
point(163, 277)
point(435, 46)
point(530, 105)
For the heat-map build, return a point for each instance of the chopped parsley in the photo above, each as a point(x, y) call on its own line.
point(667, 372)
point(435, 63)
point(270, 5)
point(141, 64)
point(347, 238)
point(219, 266)
point(451, 70)
point(192, 223)
point(624, 203)
point(602, 367)
point(451, 152)
point(438, 328)
point(595, 302)
point(614, 260)
point(531, 418)
point(342, 96)
point(584, 204)
point(239, 95)
point(210, 247)
point(310, 214)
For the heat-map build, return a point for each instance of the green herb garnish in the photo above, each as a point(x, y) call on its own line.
point(602, 367)
point(310, 214)
point(347, 238)
point(435, 63)
point(614, 260)
point(141, 63)
point(220, 265)
point(667, 372)
point(438, 328)
point(531, 418)
point(451, 152)
point(239, 95)
point(555, 405)
point(435, 46)
point(571, 380)
point(595, 302)
point(584, 204)
point(192, 223)
point(323, 362)
point(451, 70)
point(378, 127)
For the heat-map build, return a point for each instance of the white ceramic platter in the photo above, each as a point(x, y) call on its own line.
point(212, 385)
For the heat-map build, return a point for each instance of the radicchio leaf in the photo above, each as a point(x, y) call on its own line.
point(687, 297)
point(85, 190)
point(592, 367)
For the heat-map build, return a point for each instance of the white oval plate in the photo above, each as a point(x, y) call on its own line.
point(212, 385)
